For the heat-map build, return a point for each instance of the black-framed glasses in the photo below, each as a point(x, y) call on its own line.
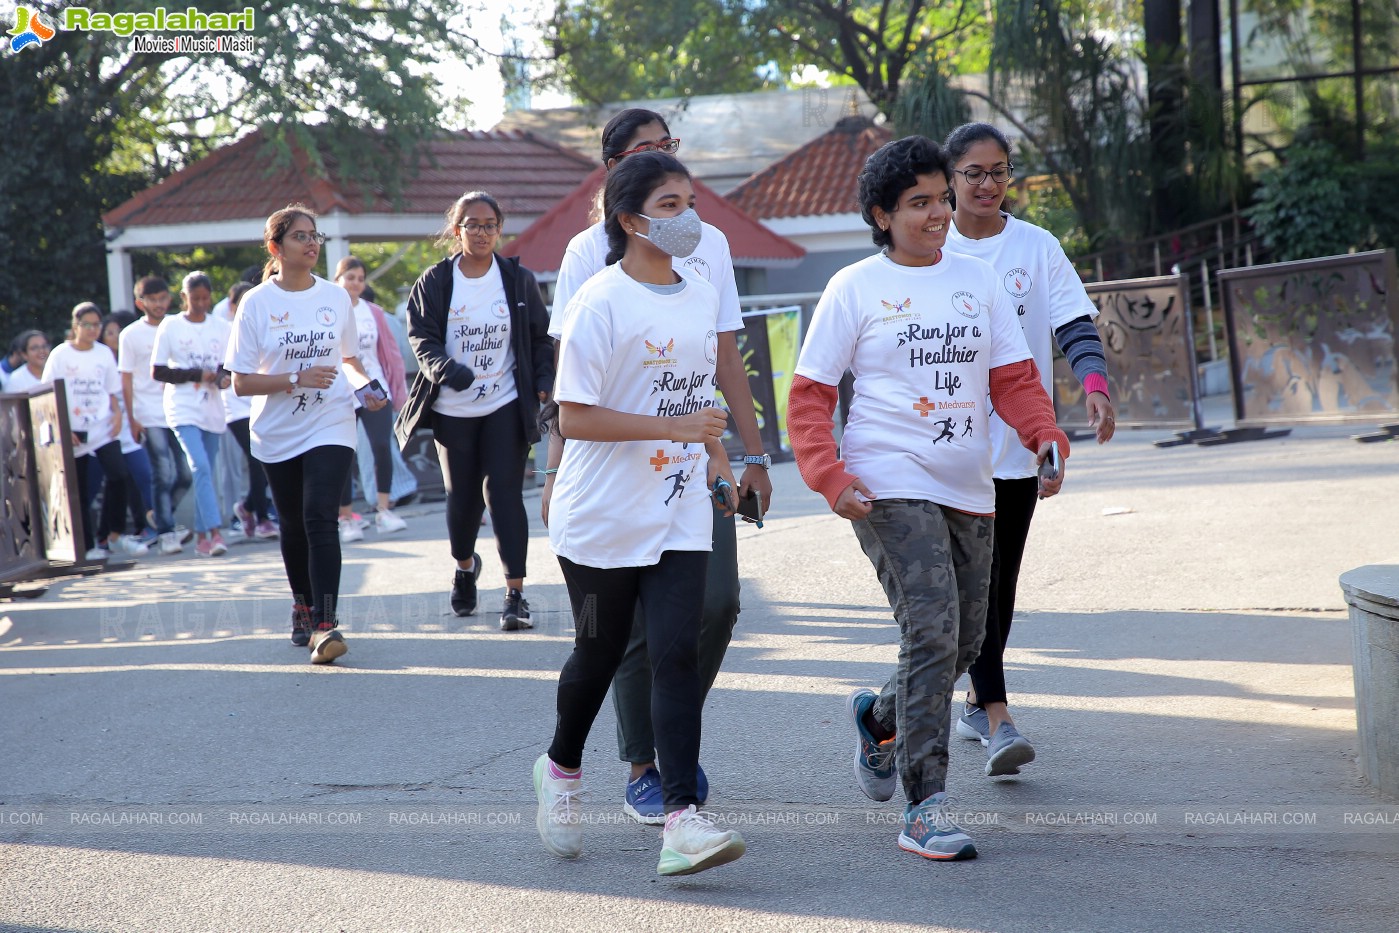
point(671, 145)
point(304, 238)
point(975, 176)
point(474, 228)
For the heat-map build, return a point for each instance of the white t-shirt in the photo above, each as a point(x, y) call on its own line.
point(21, 379)
point(921, 342)
point(278, 332)
point(629, 349)
point(182, 344)
point(368, 330)
point(135, 345)
point(710, 262)
point(90, 380)
point(1047, 294)
point(478, 336)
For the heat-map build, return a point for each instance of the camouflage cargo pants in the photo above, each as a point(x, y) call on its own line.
point(934, 563)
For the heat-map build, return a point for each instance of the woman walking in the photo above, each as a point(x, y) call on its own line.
point(480, 331)
point(294, 332)
point(629, 520)
point(188, 358)
point(1050, 302)
point(929, 336)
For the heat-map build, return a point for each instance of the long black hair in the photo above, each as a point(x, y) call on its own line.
point(628, 187)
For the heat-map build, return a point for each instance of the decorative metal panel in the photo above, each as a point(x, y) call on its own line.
point(1313, 341)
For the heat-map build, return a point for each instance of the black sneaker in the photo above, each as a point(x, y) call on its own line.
point(464, 588)
point(300, 626)
point(516, 612)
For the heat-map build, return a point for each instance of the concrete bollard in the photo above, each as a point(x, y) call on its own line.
point(1373, 596)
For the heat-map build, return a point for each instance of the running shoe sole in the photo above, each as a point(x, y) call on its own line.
point(675, 863)
point(967, 731)
point(967, 851)
point(1008, 759)
point(872, 792)
point(330, 648)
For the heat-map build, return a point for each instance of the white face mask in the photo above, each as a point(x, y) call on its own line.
point(676, 236)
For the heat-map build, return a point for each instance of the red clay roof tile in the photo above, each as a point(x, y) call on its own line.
point(819, 178)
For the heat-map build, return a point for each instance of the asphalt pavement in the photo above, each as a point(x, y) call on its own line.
point(1180, 659)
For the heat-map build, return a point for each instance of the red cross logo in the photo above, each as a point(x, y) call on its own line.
point(659, 460)
point(923, 406)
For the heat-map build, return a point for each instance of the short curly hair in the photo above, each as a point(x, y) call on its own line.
point(890, 171)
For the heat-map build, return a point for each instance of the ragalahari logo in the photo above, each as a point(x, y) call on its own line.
point(30, 29)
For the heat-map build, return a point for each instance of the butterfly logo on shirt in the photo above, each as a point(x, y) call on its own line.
point(280, 320)
point(661, 351)
point(897, 307)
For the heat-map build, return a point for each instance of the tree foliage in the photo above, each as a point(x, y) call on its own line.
point(88, 120)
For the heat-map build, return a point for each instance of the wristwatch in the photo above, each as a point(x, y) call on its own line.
point(762, 460)
point(295, 379)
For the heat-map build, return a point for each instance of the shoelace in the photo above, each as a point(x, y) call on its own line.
point(566, 800)
point(940, 820)
point(692, 818)
point(881, 755)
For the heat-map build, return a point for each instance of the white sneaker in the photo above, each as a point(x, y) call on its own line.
point(692, 843)
point(385, 522)
point(559, 818)
point(126, 544)
point(170, 543)
point(350, 531)
point(183, 534)
point(98, 553)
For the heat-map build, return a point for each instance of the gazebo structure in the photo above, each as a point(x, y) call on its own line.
point(225, 198)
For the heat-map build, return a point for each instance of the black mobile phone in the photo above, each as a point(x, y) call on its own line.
point(750, 507)
point(371, 389)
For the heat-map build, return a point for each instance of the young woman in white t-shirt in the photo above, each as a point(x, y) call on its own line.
point(1050, 303)
point(91, 384)
point(188, 359)
point(293, 333)
point(378, 424)
point(930, 337)
point(630, 518)
point(480, 332)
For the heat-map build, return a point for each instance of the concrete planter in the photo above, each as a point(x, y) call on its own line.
point(1373, 596)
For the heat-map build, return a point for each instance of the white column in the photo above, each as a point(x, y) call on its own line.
point(119, 280)
point(337, 243)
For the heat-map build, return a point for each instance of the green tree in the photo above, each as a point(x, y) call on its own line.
point(88, 120)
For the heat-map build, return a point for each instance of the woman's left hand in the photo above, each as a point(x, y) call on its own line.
point(1101, 416)
point(719, 469)
point(374, 403)
point(1049, 487)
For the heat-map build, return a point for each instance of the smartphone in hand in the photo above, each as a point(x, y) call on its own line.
point(371, 389)
point(1049, 469)
point(750, 507)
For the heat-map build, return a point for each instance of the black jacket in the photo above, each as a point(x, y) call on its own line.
point(427, 333)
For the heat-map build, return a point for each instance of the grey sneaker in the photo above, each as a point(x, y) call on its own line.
point(874, 761)
point(1008, 751)
point(974, 723)
point(929, 831)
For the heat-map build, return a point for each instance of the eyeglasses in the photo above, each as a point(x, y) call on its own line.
point(89, 325)
point(975, 176)
point(473, 229)
point(304, 238)
point(671, 145)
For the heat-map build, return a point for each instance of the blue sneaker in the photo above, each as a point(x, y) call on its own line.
point(974, 723)
point(1007, 751)
point(929, 832)
point(644, 803)
point(874, 761)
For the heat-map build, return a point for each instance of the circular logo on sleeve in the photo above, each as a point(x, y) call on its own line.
point(500, 309)
point(965, 304)
point(1018, 282)
point(325, 317)
point(711, 347)
point(699, 267)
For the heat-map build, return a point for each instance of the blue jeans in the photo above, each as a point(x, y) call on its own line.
point(170, 476)
point(202, 451)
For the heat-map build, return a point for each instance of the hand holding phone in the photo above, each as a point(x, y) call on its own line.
point(371, 390)
point(750, 507)
point(1050, 467)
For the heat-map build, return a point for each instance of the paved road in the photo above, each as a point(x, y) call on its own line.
point(170, 762)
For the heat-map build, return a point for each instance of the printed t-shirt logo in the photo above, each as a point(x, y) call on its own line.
point(280, 320)
point(965, 304)
point(699, 267)
point(500, 309)
point(898, 307)
point(660, 460)
point(662, 350)
point(1018, 282)
point(711, 347)
point(325, 317)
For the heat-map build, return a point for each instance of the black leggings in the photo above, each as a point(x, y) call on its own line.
point(113, 492)
point(306, 490)
point(256, 499)
point(1015, 506)
point(492, 448)
point(379, 426)
point(671, 594)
